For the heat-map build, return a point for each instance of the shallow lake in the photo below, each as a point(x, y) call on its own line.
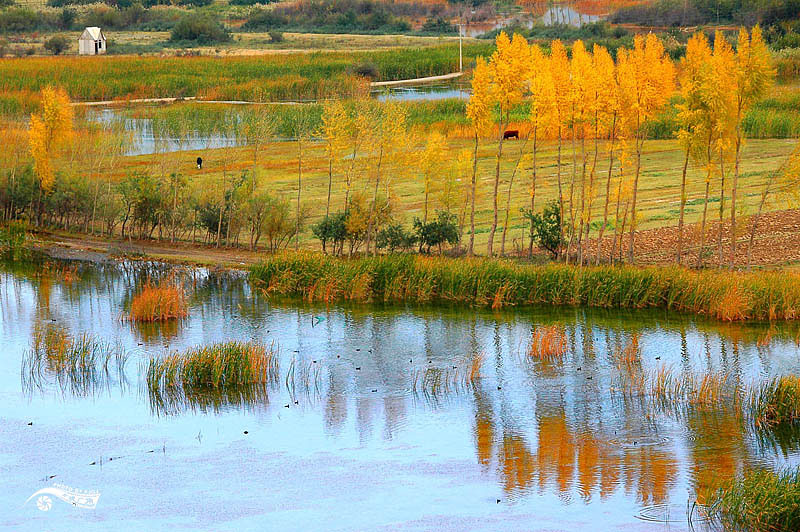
point(351, 437)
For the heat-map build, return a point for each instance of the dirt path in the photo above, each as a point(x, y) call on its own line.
point(89, 247)
point(777, 245)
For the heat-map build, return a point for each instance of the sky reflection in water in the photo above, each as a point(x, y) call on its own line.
point(354, 446)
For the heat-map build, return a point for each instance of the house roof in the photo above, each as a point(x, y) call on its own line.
point(93, 33)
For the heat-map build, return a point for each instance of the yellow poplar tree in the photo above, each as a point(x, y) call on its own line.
point(721, 98)
point(479, 114)
point(507, 65)
point(560, 74)
point(583, 88)
point(50, 131)
point(754, 75)
point(692, 114)
point(543, 113)
point(646, 78)
point(433, 157)
point(607, 110)
point(334, 130)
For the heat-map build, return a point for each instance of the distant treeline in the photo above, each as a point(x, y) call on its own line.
point(778, 18)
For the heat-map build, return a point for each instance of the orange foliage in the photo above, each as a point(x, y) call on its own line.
point(158, 303)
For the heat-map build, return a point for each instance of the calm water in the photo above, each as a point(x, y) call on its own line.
point(531, 446)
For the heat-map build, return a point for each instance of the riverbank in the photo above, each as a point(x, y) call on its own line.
point(498, 283)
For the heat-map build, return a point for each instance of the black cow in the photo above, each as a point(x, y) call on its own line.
point(199, 163)
point(511, 134)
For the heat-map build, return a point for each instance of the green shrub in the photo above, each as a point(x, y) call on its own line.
point(442, 230)
point(56, 44)
point(199, 29)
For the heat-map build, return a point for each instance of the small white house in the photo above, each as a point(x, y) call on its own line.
point(92, 42)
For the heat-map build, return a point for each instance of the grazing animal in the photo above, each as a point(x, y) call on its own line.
point(511, 134)
point(199, 163)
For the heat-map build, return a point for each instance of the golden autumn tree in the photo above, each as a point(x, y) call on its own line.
point(754, 75)
point(557, 125)
point(507, 68)
point(583, 88)
point(479, 114)
point(542, 113)
point(389, 133)
point(433, 157)
point(334, 130)
point(607, 110)
point(646, 80)
point(721, 98)
point(50, 131)
point(692, 114)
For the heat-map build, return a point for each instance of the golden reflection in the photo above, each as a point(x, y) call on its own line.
point(718, 450)
point(517, 464)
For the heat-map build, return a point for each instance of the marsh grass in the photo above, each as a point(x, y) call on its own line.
point(303, 376)
point(162, 302)
point(548, 342)
point(776, 403)
point(80, 365)
point(220, 366)
point(759, 500)
point(725, 296)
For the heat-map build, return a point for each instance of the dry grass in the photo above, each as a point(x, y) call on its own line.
point(163, 302)
point(548, 342)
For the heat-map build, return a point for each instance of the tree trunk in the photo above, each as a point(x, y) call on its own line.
point(721, 207)
point(533, 190)
point(493, 230)
point(733, 194)
point(683, 206)
point(639, 148)
point(471, 250)
point(608, 188)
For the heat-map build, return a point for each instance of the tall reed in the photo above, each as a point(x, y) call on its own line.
point(79, 364)
point(418, 279)
point(759, 500)
point(215, 367)
point(777, 402)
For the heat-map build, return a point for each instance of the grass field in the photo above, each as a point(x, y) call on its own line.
point(658, 193)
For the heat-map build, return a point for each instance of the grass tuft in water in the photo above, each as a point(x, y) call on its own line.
point(777, 402)
point(79, 364)
point(759, 500)
point(214, 367)
point(158, 303)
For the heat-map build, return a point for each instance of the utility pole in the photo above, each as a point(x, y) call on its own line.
point(460, 47)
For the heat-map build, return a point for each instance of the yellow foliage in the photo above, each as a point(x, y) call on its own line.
point(50, 131)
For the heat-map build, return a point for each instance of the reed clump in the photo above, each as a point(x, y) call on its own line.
point(548, 342)
point(214, 367)
point(759, 500)
point(162, 302)
point(777, 402)
point(80, 364)
point(708, 390)
point(725, 296)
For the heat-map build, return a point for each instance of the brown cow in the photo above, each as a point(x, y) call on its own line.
point(511, 134)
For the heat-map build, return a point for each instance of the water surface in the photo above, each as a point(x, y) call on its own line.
point(355, 440)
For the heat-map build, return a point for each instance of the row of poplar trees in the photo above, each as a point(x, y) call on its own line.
point(588, 102)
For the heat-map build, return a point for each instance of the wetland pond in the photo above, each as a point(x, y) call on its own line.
point(369, 425)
